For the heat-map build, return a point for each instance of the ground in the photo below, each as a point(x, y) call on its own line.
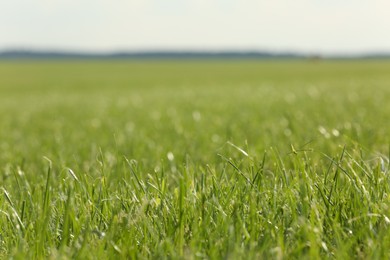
point(195, 159)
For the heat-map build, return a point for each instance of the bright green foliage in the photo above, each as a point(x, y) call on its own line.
point(195, 159)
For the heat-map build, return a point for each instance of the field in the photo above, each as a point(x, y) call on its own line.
point(194, 159)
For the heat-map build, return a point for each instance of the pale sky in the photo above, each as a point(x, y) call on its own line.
point(320, 26)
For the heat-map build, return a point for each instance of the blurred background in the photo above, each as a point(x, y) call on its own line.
point(129, 107)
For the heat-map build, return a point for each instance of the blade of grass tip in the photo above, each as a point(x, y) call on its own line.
point(359, 165)
point(261, 168)
point(236, 168)
point(238, 148)
point(100, 158)
point(135, 175)
point(8, 198)
point(281, 166)
point(71, 172)
point(328, 171)
point(337, 164)
point(18, 219)
point(324, 198)
point(293, 150)
point(162, 178)
point(46, 196)
point(335, 178)
point(17, 180)
point(15, 213)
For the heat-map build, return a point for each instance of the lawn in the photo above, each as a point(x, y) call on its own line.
point(195, 159)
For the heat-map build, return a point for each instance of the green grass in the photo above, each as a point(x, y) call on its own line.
point(195, 159)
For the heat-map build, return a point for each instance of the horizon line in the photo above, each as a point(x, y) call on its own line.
point(180, 53)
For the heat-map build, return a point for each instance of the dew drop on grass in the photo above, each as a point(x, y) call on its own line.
point(20, 172)
point(323, 244)
point(170, 156)
point(382, 165)
point(322, 130)
point(335, 132)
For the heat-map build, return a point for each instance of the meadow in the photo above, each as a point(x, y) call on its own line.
point(195, 159)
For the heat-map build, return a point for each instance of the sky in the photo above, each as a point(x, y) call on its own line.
point(310, 26)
